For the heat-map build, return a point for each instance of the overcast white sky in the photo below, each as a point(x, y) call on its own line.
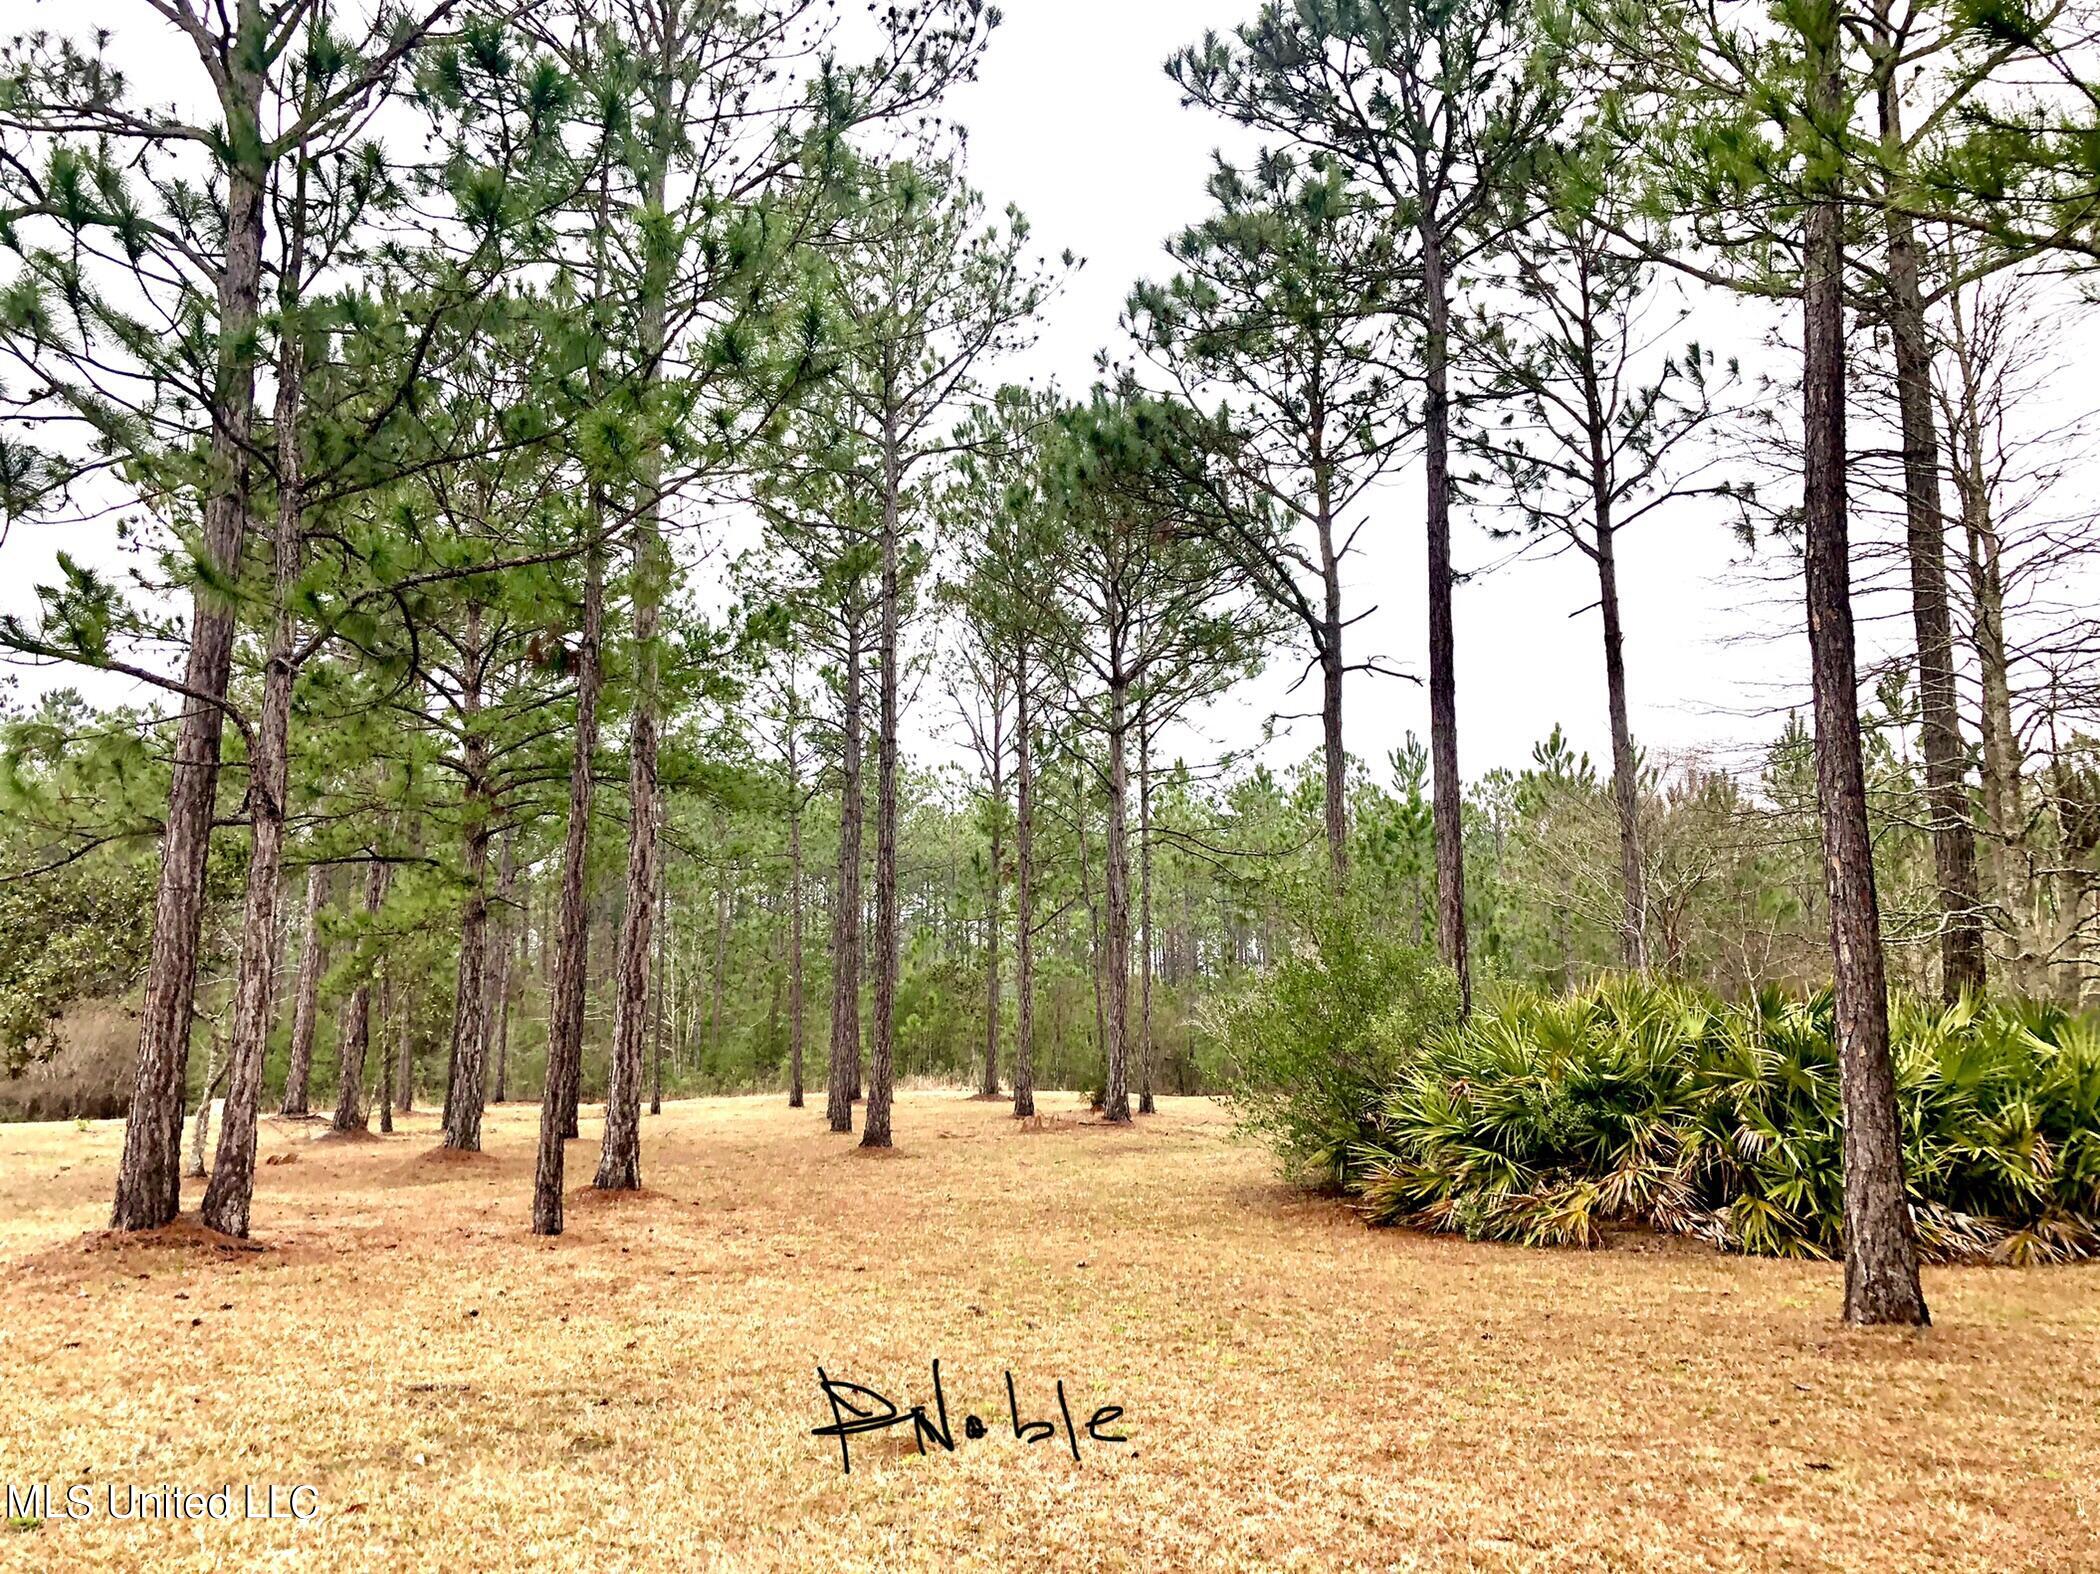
point(1074, 120)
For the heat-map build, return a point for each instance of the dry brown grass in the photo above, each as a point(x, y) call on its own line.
point(1302, 1393)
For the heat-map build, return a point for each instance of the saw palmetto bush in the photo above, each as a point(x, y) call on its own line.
point(1649, 1104)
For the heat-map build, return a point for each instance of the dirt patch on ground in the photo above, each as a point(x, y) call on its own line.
point(1299, 1392)
point(184, 1235)
point(101, 1256)
point(458, 1158)
point(593, 1197)
point(354, 1134)
point(885, 1155)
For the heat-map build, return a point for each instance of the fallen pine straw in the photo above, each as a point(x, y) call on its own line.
point(1300, 1392)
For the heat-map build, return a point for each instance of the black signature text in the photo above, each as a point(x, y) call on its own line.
point(856, 1409)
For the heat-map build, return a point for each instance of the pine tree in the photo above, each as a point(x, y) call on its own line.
point(1147, 603)
point(1437, 109)
point(1597, 429)
point(116, 184)
point(1279, 315)
point(923, 296)
point(1720, 165)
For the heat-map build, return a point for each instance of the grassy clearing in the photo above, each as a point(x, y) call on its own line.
point(1302, 1393)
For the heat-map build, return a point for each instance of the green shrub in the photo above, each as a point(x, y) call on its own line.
point(1651, 1104)
point(1306, 1049)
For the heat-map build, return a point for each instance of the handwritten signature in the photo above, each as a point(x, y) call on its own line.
point(856, 1409)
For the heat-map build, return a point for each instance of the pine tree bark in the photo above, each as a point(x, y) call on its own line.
point(656, 989)
point(149, 1174)
point(280, 951)
point(1962, 964)
point(843, 1087)
point(1024, 891)
point(620, 1154)
point(465, 1088)
point(988, 1084)
point(797, 1006)
point(386, 1054)
point(1625, 767)
point(1447, 795)
point(875, 1131)
point(1093, 927)
point(1334, 757)
point(559, 1093)
point(1881, 1262)
point(857, 1069)
point(350, 1111)
point(464, 1095)
point(405, 1056)
point(227, 1198)
point(1115, 1102)
point(1146, 1106)
point(306, 997)
point(676, 990)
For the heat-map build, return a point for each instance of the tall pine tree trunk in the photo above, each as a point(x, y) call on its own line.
point(387, 1026)
point(1146, 1106)
point(1881, 1261)
point(350, 1111)
point(149, 1174)
point(464, 1089)
point(1093, 927)
point(797, 1008)
point(306, 997)
point(405, 1055)
point(656, 990)
point(620, 1154)
point(856, 1070)
point(227, 1198)
point(1024, 891)
point(1602, 439)
point(1115, 1101)
point(1625, 767)
point(564, 1077)
point(1447, 800)
point(1334, 758)
point(1925, 542)
point(875, 1132)
point(988, 1085)
point(464, 1092)
point(845, 915)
